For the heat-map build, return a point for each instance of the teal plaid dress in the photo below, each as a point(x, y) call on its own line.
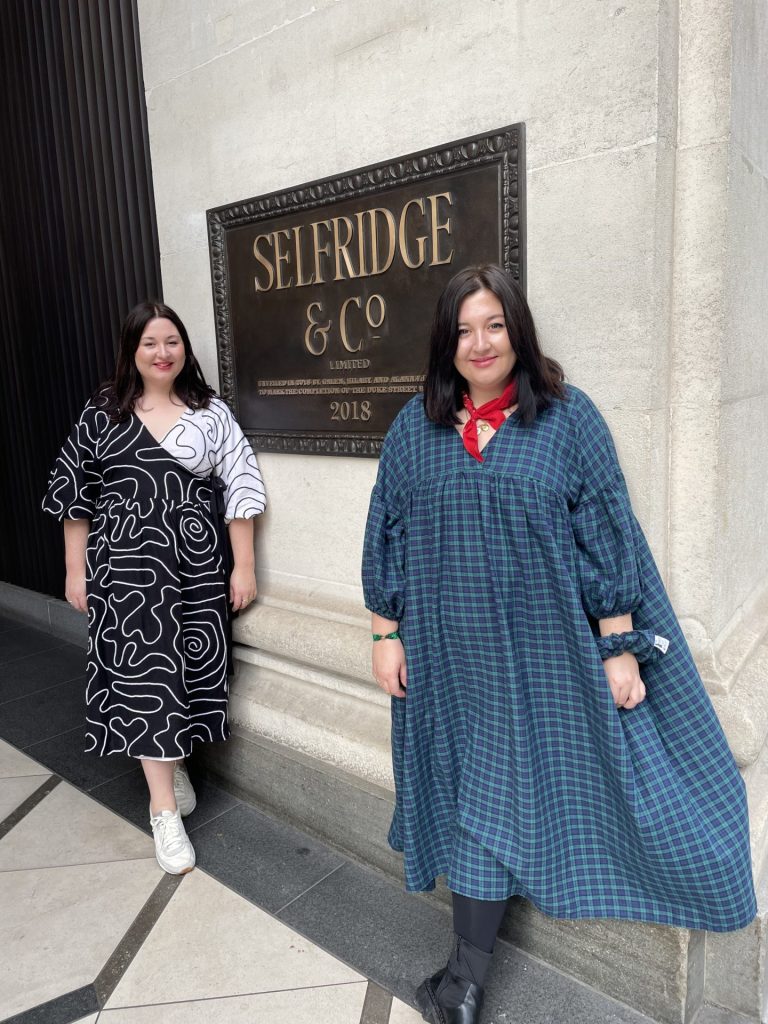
point(515, 772)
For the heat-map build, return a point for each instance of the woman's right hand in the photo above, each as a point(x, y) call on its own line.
point(74, 591)
point(389, 666)
point(75, 545)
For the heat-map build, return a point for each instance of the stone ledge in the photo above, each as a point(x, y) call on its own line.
point(49, 613)
point(301, 636)
point(336, 724)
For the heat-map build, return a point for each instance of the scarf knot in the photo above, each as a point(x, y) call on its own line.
point(492, 412)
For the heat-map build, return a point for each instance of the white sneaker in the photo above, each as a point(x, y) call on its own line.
point(186, 801)
point(173, 849)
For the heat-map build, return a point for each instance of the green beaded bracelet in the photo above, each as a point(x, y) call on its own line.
point(386, 636)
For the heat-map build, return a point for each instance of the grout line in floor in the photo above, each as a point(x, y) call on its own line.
point(377, 1007)
point(29, 775)
point(22, 657)
point(244, 995)
point(44, 689)
point(55, 686)
point(77, 864)
point(106, 782)
point(19, 813)
point(216, 817)
point(122, 956)
point(46, 739)
point(310, 888)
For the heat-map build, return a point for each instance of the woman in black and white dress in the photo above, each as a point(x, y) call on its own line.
point(141, 484)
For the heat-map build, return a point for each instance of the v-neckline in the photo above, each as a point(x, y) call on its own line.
point(159, 440)
point(512, 416)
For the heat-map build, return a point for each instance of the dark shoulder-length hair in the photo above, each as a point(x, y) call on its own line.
point(539, 378)
point(117, 396)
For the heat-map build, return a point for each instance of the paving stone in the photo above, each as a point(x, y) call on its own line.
point(14, 792)
point(59, 925)
point(39, 716)
point(14, 764)
point(41, 670)
point(66, 755)
point(23, 641)
point(411, 939)
point(68, 827)
point(230, 948)
point(266, 861)
point(336, 1004)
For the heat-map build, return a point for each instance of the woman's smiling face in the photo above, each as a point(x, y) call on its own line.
point(484, 354)
point(160, 353)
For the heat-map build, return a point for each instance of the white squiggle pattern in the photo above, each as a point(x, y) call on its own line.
point(157, 654)
point(210, 440)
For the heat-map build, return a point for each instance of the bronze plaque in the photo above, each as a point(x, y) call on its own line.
point(324, 294)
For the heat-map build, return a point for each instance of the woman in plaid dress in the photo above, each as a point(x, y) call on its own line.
point(556, 741)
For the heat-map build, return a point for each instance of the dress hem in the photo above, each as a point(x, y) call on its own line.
point(196, 740)
point(672, 920)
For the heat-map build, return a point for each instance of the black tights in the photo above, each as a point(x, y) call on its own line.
point(478, 921)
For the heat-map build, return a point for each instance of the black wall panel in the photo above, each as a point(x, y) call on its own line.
point(78, 242)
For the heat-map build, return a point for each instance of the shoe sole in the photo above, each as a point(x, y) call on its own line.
point(183, 871)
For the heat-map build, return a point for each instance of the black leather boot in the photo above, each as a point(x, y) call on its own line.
point(454, 995)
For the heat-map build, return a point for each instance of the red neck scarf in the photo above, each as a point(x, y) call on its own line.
point(492, 412)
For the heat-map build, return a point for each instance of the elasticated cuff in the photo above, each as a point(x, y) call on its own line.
point(645, 645)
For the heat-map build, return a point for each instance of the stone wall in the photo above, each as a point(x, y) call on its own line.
point(743, 464)
point(245, 98)
point(647, 266)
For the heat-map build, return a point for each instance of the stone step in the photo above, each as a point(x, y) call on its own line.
point(339, 647)
point(338, 720)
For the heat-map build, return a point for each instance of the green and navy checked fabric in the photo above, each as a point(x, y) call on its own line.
point(515, 773)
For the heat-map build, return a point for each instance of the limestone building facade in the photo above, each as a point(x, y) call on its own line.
point(647, 215)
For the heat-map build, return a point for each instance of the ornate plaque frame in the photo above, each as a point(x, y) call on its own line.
point(504, 147)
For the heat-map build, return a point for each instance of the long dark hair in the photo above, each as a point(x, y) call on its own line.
point(117, 396)
point(539, 378)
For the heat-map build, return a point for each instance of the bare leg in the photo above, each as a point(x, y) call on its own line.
point(159, 776)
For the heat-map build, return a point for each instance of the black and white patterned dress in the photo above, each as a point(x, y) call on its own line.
point(155, 580)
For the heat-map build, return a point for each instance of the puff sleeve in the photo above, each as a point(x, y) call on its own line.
point(234, 462)
point(383, 570)
point(74, 485)
point(605, 531)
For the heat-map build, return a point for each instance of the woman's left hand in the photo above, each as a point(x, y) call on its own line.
point(242, 587)
point(624, 680)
